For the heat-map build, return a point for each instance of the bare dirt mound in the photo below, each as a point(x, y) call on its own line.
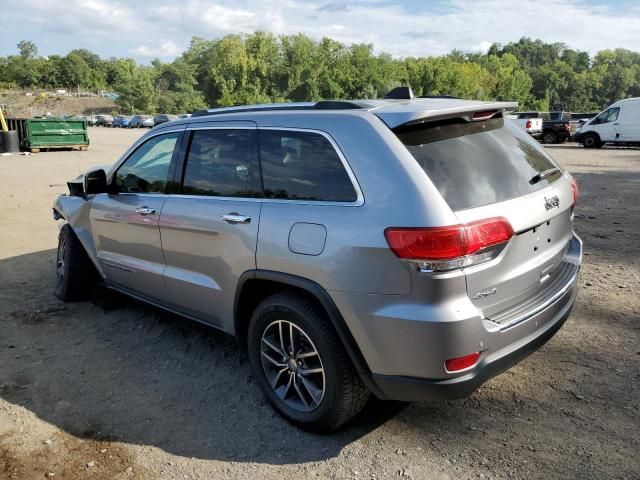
point(20, 105)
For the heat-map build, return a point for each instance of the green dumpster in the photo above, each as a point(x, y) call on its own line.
point(37, 134)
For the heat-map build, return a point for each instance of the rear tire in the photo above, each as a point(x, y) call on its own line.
point(313, 385)
point(75, 274)
point(549, 137)
point(591, 141)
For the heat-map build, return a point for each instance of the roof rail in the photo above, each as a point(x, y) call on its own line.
point(254, 108)
point(320, 105)
point(441, 96)
point(337, 105)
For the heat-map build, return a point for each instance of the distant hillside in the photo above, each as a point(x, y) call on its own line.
point(20, 105)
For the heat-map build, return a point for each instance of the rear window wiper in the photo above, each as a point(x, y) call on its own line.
point(543, 174)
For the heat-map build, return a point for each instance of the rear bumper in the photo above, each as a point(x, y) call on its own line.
point(535, 134)
point(421, 346)
point(391, 387)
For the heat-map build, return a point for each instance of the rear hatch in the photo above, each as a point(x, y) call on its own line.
point(490, 168)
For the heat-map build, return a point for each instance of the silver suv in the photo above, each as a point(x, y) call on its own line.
point(408, 248)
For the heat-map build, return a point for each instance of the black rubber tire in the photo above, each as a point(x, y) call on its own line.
point(591, 140)
point(549, 137)
point(79, 275)
point(345, 393)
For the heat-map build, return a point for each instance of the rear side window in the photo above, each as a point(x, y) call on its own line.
point(303, 166)
point(478, 163)
point(222, 163)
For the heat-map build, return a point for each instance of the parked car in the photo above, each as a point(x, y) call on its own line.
point(139, 121)
point(556, 126)
point(90, 119)
point(533, 126)
point(160, 119)
point(104, 120)
point(121, 121)
point(618, 124)
point(184, 115)
point(410, 249)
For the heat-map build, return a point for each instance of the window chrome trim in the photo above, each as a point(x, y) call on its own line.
point(359, 201)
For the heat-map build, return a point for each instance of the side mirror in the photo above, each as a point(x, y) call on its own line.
point(95, 182)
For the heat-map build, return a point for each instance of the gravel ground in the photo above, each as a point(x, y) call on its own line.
point(115, 389)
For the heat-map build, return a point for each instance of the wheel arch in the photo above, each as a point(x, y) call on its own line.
point(255, 285)
point(592, 132)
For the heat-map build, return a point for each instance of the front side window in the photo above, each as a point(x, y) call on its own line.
point(147, 169)
point(303, 166)
point(222, 163)
point(610, 115)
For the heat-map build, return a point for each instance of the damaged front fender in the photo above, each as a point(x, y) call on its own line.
point(75, 210)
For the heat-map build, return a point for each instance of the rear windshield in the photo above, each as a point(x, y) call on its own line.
point(478, 163)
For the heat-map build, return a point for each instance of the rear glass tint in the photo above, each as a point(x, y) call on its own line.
point(477, 163)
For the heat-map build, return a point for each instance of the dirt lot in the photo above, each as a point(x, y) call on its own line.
point(125, 391)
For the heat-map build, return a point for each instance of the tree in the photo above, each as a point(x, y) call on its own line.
point(27, 49)
point(261, 67)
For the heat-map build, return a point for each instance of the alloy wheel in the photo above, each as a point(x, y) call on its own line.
point(62, 247)
point(292, 365)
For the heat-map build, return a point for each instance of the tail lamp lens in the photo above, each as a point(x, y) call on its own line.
point(528, 124)
point(461, 363)
point(575, 190)
point(446, 243)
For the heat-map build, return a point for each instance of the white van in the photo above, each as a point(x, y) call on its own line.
point(619, 124)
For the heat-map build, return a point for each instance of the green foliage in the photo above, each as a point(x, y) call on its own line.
point(27, 49)
point(262, 67)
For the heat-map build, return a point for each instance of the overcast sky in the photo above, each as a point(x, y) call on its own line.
point(160, 28)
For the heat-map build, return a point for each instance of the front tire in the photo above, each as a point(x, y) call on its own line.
point(75, 274)
point(591, 141)
point(301, 365)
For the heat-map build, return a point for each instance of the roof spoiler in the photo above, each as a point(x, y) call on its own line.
point(471, 112)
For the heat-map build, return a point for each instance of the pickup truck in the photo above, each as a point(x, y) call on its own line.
point(556, 126)
point(533, 126)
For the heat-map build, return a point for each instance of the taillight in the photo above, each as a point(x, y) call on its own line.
point(461, 363)
point(528, 124)
point(455, 246)
point(567, 127)
point(575, 190)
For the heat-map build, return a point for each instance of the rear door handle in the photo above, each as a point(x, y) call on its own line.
point(146, 211)
point(235, 218)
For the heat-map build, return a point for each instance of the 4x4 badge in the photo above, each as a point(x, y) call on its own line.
point(553, 202)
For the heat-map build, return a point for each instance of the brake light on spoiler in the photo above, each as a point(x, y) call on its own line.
point(450, 247)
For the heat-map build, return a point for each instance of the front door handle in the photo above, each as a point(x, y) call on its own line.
point(146, 211)
point(235, 218)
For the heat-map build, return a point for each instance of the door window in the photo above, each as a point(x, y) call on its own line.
point(222, 163)
point(303, 166)
point(610, 115)
point(147, 169)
